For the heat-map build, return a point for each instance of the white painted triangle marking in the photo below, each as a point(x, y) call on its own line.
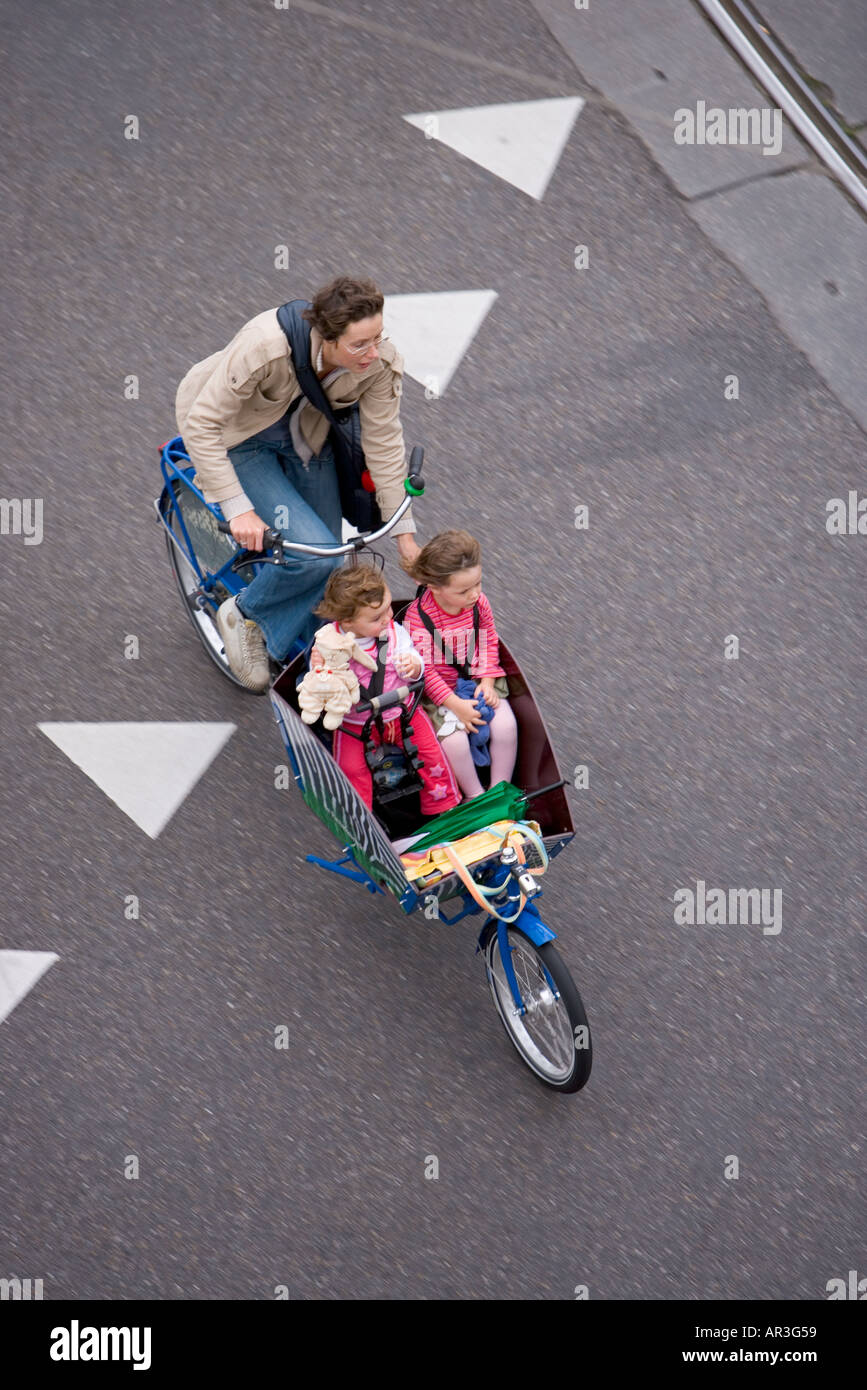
point(519, 141)
point(147, 770)
point(433, 331)
point(19, 972)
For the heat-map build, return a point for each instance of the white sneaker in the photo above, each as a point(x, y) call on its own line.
point(245, 646)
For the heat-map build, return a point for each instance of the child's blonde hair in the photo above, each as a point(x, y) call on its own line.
point(349, 588)
point(444, 555)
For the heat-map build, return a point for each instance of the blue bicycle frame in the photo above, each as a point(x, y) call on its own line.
point(209, 582)
point(176, 466)
point(171, 470)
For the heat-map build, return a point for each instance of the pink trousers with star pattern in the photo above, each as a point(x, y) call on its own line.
point(440, 791)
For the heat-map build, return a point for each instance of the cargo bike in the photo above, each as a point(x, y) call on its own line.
point(484, 857)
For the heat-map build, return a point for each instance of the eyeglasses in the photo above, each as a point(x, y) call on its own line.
point(374, 342)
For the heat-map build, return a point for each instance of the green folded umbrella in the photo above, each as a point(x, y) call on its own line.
point(502, 802)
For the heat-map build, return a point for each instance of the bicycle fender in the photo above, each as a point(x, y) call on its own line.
point(529, 922)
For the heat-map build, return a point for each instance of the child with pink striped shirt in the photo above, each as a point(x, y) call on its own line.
point(452, 625)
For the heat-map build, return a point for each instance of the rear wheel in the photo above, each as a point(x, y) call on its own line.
point(212, 549)
point(553, 1036)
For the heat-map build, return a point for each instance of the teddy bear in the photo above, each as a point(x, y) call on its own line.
point(334, 687)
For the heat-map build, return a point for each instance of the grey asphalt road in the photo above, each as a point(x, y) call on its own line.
point(305, 1167)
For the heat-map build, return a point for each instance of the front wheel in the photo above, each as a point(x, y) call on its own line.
point(553, 1036)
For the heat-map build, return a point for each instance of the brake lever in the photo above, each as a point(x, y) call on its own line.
point(271, 540)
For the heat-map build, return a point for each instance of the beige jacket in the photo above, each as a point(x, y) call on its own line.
point(250, 384)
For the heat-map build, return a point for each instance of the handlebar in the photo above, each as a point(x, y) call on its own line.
point(274, 540)
point(391, 697)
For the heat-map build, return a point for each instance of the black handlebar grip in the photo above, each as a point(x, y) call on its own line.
point(269, 537)
point(393, 697)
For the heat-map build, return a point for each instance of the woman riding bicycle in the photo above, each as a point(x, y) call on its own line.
point(265, 466)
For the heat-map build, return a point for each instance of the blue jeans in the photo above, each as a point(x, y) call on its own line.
point(280, 597)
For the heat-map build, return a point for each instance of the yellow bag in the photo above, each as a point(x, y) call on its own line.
point(430, 865)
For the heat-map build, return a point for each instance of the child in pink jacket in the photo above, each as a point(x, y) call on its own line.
point(357, 600)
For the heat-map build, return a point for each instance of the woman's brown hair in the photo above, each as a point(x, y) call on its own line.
point(443, 556)
point(349, 588)
point(341, 302)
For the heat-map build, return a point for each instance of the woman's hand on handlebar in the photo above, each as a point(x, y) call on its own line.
point(407, 546)
point(248, 530)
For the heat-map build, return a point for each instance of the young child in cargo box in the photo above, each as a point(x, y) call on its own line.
point(452, 605)
point(357, 600)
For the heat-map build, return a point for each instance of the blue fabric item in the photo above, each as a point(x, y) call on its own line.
point(479, 738)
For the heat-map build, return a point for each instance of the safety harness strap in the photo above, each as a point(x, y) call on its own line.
point(462, 667)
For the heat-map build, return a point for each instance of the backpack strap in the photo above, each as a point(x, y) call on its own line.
point(297, 331)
